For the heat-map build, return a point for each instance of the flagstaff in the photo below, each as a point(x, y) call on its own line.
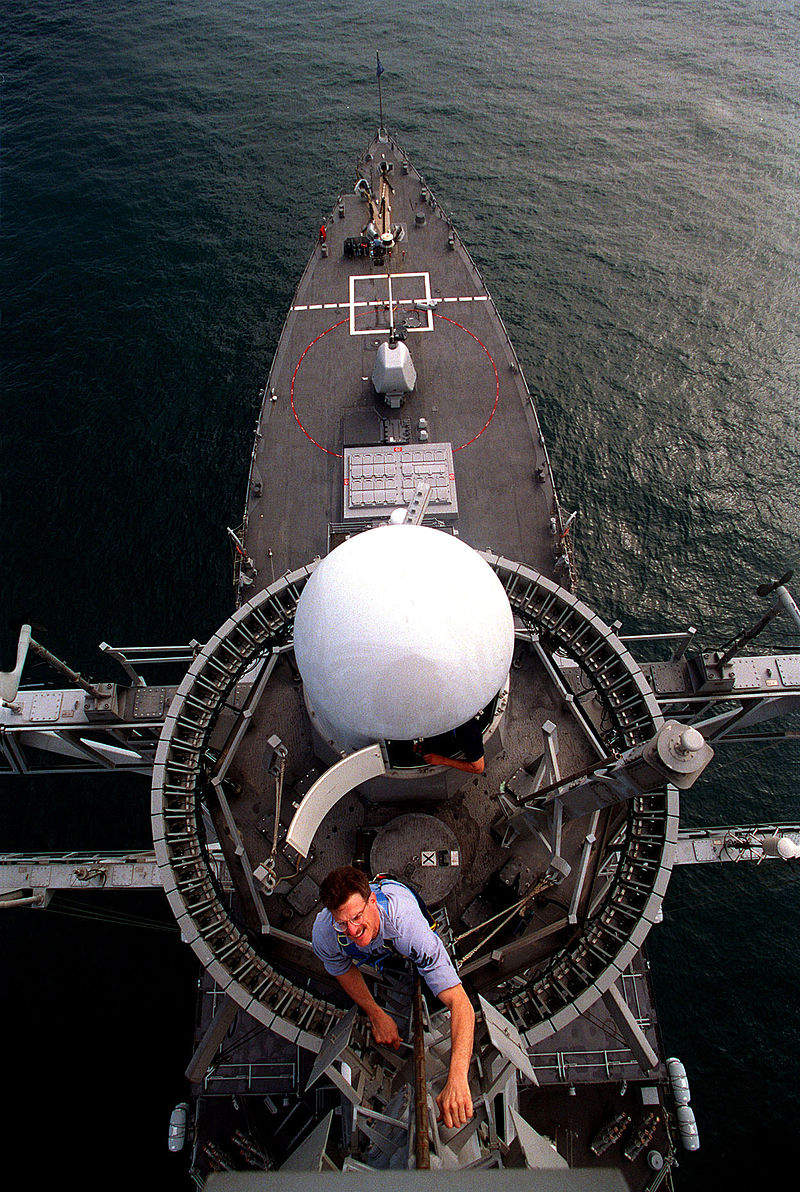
point(378, 73)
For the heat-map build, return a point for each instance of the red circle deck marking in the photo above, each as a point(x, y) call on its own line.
point(496, 377)
point(327, 450)
point(341, 323)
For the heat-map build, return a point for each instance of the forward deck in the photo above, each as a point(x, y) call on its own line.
point(470, 391)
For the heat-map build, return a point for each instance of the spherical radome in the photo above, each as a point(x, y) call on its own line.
point(401, 632)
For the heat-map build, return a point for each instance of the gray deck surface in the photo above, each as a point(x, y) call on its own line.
point(503, 507)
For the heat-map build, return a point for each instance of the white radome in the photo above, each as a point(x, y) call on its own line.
point(401, 632)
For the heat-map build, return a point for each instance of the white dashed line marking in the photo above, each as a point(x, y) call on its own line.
point(382, 302)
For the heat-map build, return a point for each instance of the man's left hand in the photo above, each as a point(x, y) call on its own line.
point(455, 1102)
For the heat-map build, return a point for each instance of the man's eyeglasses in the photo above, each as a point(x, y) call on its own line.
point(355, 920)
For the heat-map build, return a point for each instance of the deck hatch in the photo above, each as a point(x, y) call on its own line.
point(379, 479)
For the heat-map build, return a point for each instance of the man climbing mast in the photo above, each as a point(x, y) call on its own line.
point(364, 923)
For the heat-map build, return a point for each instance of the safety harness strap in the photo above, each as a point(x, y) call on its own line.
point(351, 948)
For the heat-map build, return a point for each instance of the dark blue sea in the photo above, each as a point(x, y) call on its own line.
point(627, 177)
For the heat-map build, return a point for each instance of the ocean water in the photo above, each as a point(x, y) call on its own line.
point(627, 177)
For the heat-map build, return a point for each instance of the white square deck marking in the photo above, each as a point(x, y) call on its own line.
point(374, 292)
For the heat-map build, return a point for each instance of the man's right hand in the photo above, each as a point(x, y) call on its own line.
point(384, 1028)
